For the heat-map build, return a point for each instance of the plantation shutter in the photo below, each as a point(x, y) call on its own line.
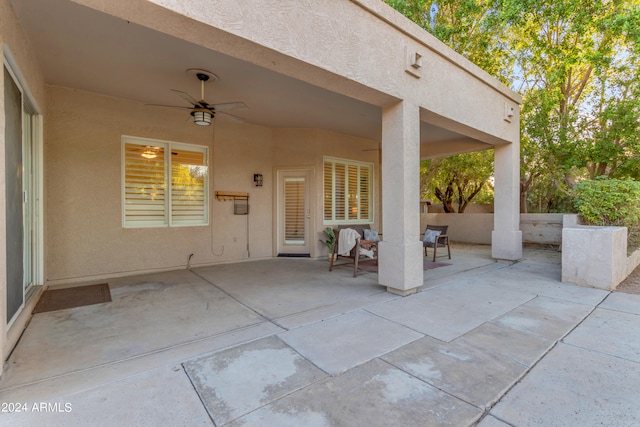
point(164, 184)
point(188, 186)
point(294, 214)
point(364, 192)
point(347, 191)
point(340, 206)
point(145, 198)
point(354, 194)
point(328, 191)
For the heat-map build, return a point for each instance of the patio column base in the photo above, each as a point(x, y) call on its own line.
point(506, 245)
point(402, 292)
point(400, 266)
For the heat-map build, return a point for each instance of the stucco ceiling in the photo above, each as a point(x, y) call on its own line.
point(81, 48)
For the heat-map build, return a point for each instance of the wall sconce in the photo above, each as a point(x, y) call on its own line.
point(257, 178)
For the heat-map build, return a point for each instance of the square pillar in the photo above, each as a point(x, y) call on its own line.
point(400, 266)
point(506, 238)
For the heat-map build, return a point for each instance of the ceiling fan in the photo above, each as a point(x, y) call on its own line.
point(201, 111)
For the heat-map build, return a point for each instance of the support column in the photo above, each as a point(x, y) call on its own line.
point(506, 238)
point(400, 266)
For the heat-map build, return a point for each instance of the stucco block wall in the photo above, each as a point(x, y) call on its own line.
point(477, 227)
point(84, 234)
point(541, 228)
point(595, 256)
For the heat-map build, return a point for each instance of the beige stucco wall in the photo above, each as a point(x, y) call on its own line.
point(14, 41)
point(84, 233)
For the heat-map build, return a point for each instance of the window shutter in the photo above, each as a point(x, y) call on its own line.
point(328, 191)
point(354, 194)
point(145, 200)
point(164, 184)
point(188, 186)
point(339, 192)
point(347, 191)
point(365, 192)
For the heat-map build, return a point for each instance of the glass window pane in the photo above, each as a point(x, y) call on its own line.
point(294, 215)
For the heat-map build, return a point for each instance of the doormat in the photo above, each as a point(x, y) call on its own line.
point(372, 267)
point(59, 299)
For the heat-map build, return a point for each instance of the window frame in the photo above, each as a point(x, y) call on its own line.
point(347, 164)
point(169, 220)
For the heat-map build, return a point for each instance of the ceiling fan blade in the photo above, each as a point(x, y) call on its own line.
point(230, 117)
point(226, 106)
point(170, 106)
point(186, 97)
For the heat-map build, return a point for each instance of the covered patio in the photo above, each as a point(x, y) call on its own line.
point(324, 111)
point(485, 342)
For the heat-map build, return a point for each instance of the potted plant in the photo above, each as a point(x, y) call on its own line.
point(329, 242)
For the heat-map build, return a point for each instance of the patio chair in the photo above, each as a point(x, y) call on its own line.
point(435, 236)
point(354, 254)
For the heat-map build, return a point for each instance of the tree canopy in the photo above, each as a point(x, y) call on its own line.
point(458, 180)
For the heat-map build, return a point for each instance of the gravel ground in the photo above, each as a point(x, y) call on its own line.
point(631, 285)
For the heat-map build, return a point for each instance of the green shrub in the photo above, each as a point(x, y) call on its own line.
point(611, 202)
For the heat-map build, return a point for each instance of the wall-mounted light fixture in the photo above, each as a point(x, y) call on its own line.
point(257, 178)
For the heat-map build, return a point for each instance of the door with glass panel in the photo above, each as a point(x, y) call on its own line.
point(294, 213)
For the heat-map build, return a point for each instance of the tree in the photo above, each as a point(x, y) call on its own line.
point(568, 52)
point(459, 179)
point(610, 130)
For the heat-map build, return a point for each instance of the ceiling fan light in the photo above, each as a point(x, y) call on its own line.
point(202, 118)
point(149, 153)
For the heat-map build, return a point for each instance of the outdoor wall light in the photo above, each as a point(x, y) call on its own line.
point(202, 117)
point(257, 178)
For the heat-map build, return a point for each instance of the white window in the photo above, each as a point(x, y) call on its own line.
point(165, 184)
point(347, 191)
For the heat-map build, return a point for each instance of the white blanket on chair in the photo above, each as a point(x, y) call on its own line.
point(347, 240)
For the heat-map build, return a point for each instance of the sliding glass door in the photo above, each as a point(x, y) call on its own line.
point(22, 152)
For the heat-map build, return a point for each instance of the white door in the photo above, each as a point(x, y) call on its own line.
point(294, 213)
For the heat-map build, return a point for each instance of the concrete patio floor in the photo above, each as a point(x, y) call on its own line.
point(284, 342)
